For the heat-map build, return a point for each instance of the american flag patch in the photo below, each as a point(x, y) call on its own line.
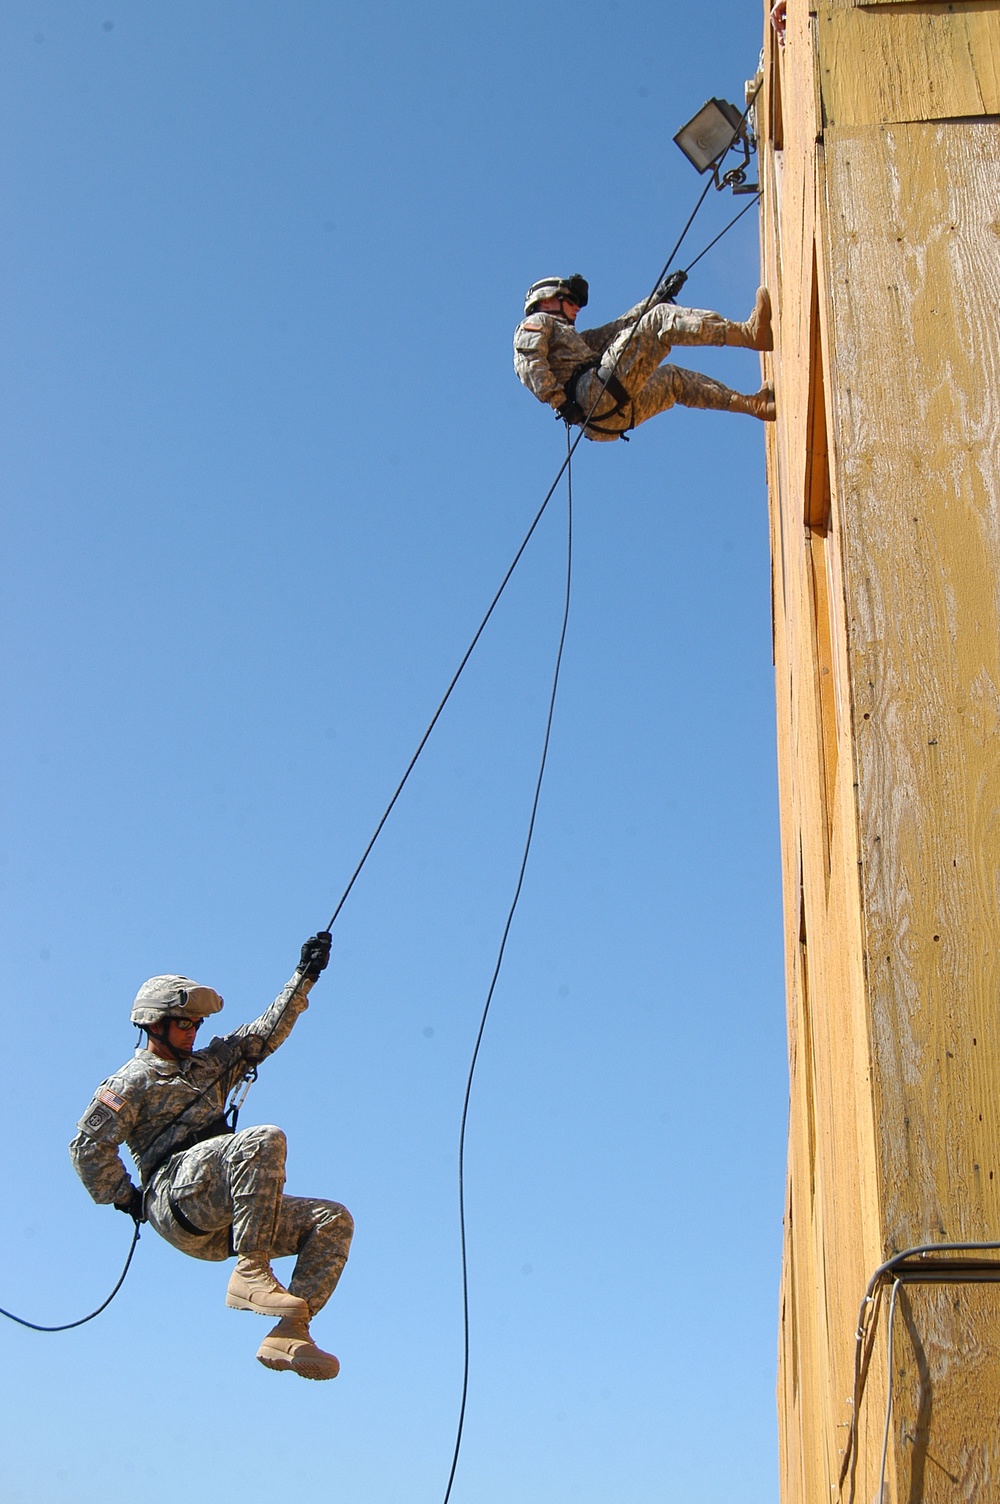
point(109, 1099)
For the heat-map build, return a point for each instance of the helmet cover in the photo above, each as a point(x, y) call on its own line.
point(173, 997)
point(574, 289)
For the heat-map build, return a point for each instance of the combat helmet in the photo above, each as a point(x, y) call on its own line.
point(173, 997)
point(575, 289)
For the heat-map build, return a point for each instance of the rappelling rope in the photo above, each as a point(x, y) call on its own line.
point(245, 1084)
point(725, 231)
point(651, 297)
point(500, 955)
point(566, 466)
point(240, 1092)
point(68, 1326)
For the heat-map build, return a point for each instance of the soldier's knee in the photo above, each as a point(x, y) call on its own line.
point(332, 1214)
point(264, 1142)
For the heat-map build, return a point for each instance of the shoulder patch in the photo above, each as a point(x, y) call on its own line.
point(110, 1099)
point(535, 328)
point(95, 1119)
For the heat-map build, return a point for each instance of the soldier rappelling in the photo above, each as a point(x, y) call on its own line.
point(211, 1191)
point(610, 379)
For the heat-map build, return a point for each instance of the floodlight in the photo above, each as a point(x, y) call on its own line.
point(705, 140)
point(710, 134)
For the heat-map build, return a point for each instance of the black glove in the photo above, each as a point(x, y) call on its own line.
point(133, 1206)
point(670, 287)
point(315, 955)
point(570, 412)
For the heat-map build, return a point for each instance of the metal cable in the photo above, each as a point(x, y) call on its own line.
point(888, 1395)
point(499, 961)
point(898, 1267)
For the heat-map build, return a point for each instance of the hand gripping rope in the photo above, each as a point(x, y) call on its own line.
point(240, 1092)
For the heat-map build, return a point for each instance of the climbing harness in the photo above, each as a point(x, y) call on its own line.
point(571, 411)
point(661, 287)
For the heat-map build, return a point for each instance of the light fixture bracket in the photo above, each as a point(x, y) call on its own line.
point(707, 139)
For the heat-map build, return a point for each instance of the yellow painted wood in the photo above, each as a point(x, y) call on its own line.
point(881, 244)
point(915, 240)
point(909, 62)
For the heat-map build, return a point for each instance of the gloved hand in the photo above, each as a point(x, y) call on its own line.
point(315, 955)
point(570, 412)
point(133, 1206)
point(670, 287)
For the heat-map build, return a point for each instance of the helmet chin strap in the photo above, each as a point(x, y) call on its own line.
point(162, 1039)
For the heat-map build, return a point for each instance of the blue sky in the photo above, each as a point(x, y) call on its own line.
point(265, 461)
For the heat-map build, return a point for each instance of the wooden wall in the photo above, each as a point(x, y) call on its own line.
point(881, 244)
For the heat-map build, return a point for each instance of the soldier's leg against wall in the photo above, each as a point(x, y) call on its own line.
point(227, 1187)
point(638, 351)
point(319, 1233)
point(670, 385)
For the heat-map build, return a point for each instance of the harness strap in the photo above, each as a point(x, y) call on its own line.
point(214, 1129)
point(612, 388)
point(179, 1217)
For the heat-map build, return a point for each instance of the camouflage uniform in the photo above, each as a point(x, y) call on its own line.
point(549, 351)
point(222, 1195)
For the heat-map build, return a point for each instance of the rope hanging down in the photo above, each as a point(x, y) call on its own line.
point(500, 955)
point(563, 470)
point(68, 1326)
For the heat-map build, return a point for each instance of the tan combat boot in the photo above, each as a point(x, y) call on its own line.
point(757, 405)
point(253, 1287)
point(290, 1349)
point(755, 332)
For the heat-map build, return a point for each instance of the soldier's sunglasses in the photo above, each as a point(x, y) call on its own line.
point(189, 1024)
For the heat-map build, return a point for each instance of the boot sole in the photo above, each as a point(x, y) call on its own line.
point(304, 1370)
point(294, 1307)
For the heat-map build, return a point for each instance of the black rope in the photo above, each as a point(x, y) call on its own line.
point(564, 468)
point(68, 1326)
point(650, 298)
point(499, 961)
point(448, 692)
point(571, 449)
point(210, 1085)
point(735, 220)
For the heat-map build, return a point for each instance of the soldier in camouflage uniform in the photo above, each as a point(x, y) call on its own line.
point(208, 1190)
point(608, 380)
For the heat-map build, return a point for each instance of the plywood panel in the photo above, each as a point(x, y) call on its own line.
point(909, 63)
point(831, 1224)
point(889, 787)
point(913, 235)
point(917, 339)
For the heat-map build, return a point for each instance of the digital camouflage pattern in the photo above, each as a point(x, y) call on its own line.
point(228, 1186)
point(548, 349)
